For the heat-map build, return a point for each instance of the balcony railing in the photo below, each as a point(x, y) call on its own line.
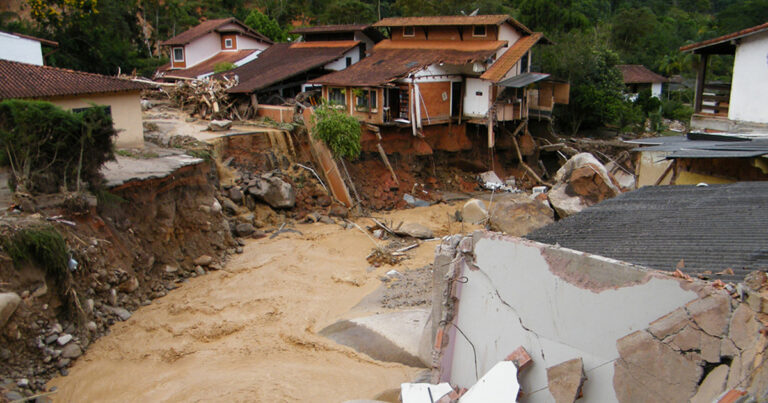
point(715, 99)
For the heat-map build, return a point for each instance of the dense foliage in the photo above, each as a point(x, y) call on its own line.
point(48, 148)
point(340, 131)
point(43, 246)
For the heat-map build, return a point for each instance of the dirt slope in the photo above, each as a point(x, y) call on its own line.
point(247, 333)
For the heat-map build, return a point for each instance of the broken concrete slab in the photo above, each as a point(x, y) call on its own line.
point(415, 230)
point(392, 336)
point(712, 386)
point(474, 211)
point(743, 327)
point(669, 324)
point(124, 169)
point(711, 313)
point(566, 379)
point(498, 385)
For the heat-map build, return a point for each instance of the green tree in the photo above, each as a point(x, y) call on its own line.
point(340, 131)
point(552, 16)
point(266, 26)
point(347, 12)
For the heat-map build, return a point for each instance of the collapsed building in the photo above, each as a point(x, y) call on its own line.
point(578, 325)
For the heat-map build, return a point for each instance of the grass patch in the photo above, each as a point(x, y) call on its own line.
point(44, 246)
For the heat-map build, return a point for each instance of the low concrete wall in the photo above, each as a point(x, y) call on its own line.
point(560, 304)
point(126, 114)
point(280, 114)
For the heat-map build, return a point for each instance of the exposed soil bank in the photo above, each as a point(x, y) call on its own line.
point(248, 332)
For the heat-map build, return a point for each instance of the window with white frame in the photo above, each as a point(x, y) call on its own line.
point(337, 96)
point(228, 43)
point(178, 54)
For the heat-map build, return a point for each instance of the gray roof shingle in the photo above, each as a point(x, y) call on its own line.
point(711, 228)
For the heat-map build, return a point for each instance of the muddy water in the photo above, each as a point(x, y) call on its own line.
point(247, 333)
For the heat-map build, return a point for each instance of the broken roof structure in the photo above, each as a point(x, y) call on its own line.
point(712, 232)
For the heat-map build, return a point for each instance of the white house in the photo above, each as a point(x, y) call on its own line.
point(638, 78)
point(742, 105)
point(23, 48)
point(196, 52)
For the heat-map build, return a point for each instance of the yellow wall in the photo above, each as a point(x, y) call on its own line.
point(126, 114)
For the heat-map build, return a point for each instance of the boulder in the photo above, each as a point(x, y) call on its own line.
point(229, 206)
point(236, 194)
point(244, 229)
point(9, 301)
point(415, 230)
point(71, 350)
point(203, 260)
point(274, 191)
point(474, 211)
point(518, 215)
point(219, 125)
point(581, 182)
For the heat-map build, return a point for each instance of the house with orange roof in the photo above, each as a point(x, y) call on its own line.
point(421, 88)
point(740, 106)
point(196, 52)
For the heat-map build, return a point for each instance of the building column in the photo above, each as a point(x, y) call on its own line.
point(701, 78)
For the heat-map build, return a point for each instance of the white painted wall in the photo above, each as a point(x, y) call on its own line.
point(18, 49)
point(518, 298)
point(359, 36)
point(476, 105)
point(341, 63)
point(244, 42)
point(656, 90)
point(202, 48)
point(435, 73)
point(509, 34)
point(749, 88)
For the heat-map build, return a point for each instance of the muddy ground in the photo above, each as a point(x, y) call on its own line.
point(248, 332)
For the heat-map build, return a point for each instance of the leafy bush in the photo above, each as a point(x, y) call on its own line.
point(677, 110)
point(49, 148)
point(223, 66)
point(647, 102)
point(44, 246)
point(629, 117)
point(339, 130)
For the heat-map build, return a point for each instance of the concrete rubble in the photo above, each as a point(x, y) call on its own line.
point(585, 327)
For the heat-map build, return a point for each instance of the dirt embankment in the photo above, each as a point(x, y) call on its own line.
point(136, 244)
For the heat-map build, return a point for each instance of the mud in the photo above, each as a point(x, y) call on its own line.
point(248, 332)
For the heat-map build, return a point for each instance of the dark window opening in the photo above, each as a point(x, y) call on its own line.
point(524, 62)
point(336, 96)
point(409, 31)
point(228, 43)
point(178, 54)
point(349, 61)
point(479, 30)
point(366, 100)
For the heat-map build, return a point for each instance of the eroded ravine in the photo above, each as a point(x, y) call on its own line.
point(247, 333)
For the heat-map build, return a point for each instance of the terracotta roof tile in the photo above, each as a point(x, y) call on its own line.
point(21, 80)
point(330, 29)
point(324, 44)
point(387, 65)
point(451, 20)
point(282, 61)
point(206, 27)
point(724, 38)
point(206, 66)
point(501, 67)
point(639, 74)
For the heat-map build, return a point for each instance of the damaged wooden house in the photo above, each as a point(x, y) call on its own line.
point(435, 77)
point(199, 51)
point(283, 70)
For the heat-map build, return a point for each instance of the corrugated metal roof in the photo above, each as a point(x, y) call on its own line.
point(387, 65)
point(282, 61)
point(507, 61)
point(639, 74)
point(708, 147)
point(521, 80)
point(206, 27)
point(452, 20)
point(710, 228)
point(21, 80)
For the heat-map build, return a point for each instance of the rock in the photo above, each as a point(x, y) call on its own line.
point(171, 269)
point(214, 267)
point(490, 180)
point(324, 200)
point(244, 229)
point(711, 313)
point(229, 206)
point(756, 279)
point(517, 215)
point(40, 291)
point(64, 361)
point(584, 178)
point(64, 339)
point(129, 286)
point(474, 211)
point(415, 230)
point(414, 201)
point(565, 380)
point(743, 327)
point(219, 125)
point(338, 210)
point(687, 339)
point(56, 328)
point(712, 386)
point(71, 350)
point(9, 301)
point(274, 191)
point(236, 195)
point(199, 270)
point(50, 339)
point(121, 313)
point(239, 250)
point(13, 396)
point(89, 304)
point(649, 370)
point(215, 207)
point(91, 326)
point(203, 260)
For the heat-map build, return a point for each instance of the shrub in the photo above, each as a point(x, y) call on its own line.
point(48, 147)
point(223, 66)
point(339, 130)
point(677, 110)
